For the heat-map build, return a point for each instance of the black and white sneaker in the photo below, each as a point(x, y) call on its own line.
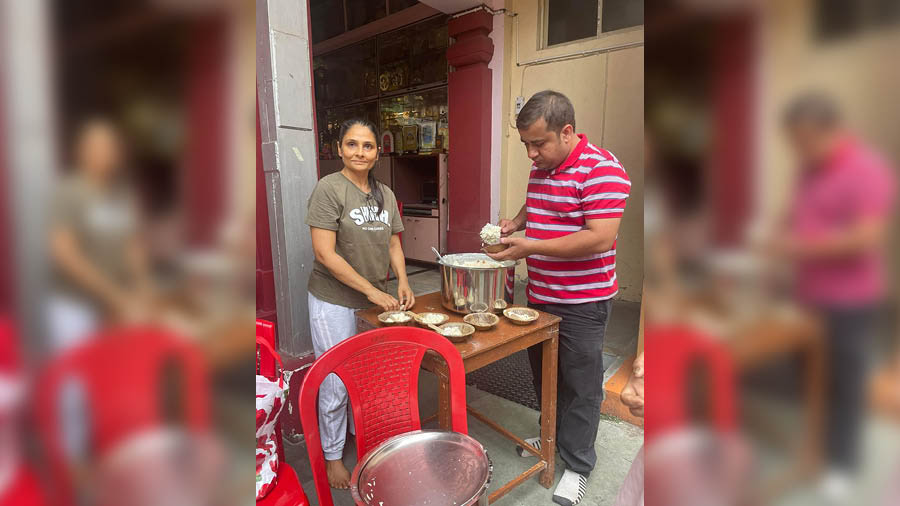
point(533, 441)
point(570, 489)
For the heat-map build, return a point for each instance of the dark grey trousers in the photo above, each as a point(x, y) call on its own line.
point(849, 340)
point(579, 380)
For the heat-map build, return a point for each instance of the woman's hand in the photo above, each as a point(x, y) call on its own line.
point(383, 300)
point(405, 294)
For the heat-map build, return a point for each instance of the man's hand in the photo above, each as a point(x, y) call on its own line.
point(633, 393)
point(508, 227)
point(519, 247)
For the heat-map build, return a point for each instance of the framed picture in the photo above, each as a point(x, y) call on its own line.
point(410, 137)
point(428, 134)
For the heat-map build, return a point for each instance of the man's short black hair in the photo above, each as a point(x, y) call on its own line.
point(553, 106)
point(812, 108)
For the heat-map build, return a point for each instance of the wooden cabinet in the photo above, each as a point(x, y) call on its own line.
point(420, 234)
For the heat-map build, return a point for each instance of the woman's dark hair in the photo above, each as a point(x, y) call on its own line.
point(374, 184)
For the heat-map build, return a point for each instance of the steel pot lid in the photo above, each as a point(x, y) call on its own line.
point(423, 468)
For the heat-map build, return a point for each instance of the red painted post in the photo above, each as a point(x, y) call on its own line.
point(734, 146)
point(207, 139)
point(469, 163)
point(6, 230)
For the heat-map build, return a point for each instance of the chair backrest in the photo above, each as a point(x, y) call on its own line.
point(266, 362)
point(686, 351)
point(121, 373)
point(380, 369)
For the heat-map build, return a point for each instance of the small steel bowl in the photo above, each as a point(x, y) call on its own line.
point(444, 319)
point(382, 318)
point(478, 307)
point(499, 306)
point(482, 321)
point(526, 315)
point(467, 330)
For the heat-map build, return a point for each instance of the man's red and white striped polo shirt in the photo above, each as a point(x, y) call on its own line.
point(590, 184)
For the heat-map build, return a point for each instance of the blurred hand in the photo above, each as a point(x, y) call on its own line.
point(508, 227)
point(133, 310)
point(406, 296)
point(518, 248)
point(633, 393)
point(383, 300)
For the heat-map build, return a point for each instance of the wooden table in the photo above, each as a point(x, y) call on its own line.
point(764, 341)
point(484, 348)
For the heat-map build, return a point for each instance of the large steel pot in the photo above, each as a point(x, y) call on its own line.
point(423, 467)
point(475, 289)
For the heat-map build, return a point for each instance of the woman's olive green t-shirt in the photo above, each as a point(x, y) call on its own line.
point(363, 236)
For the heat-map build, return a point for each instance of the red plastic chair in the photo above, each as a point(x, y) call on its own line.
point(121, 372)
point(23, 489)
point(287, 491)
point(686, 349)
point(380, 369)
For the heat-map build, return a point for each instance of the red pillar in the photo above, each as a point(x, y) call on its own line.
point(6, 230)
point(469, 163)
point(205, 178)
point(734, 147)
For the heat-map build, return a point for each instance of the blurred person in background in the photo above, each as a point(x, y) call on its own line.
point(835, 235)
point(99, 264)
point(631, 492)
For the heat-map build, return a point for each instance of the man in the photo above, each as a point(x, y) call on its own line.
point(576, 196)
point(835, 237)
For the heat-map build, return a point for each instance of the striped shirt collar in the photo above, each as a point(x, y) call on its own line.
point(573, 156)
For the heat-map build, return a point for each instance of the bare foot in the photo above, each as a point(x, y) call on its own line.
point(338, 476)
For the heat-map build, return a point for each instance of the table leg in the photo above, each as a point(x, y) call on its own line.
point(549, 364)
point(816, 375)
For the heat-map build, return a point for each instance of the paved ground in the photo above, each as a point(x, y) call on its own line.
point(617, 444)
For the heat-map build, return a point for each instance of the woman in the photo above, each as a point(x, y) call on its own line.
point(354, 221)
point(101, 272)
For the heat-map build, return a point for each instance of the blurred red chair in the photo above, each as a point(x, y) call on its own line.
point(380, 369)
point(122, 373)
point(683, 351)
point(287, 491)
point(23, 488)
point(692, 458)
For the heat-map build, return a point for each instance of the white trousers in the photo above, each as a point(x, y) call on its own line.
point(331, 324)
point(70, 322)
